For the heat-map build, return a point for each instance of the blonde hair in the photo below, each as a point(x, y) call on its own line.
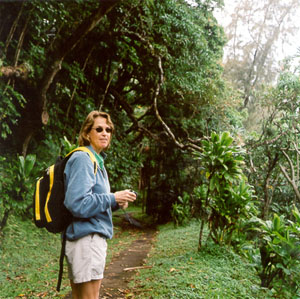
point(87, 125)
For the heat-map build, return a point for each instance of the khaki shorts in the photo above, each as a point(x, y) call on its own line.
point(86, 258)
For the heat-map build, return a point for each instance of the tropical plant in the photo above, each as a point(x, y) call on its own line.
point(181, 210)
point(227, 197)
point(17, 186)
point(277, 256)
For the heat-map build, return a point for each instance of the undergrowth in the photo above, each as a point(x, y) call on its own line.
point(179, 271)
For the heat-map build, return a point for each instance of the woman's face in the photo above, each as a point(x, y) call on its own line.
point(100, 134)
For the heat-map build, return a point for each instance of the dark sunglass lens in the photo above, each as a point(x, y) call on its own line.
point(99, 129)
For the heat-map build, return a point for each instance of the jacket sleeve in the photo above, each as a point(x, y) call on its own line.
point(115, 207)
point(80, 199)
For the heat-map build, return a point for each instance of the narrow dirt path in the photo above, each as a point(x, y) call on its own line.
point(115, 282)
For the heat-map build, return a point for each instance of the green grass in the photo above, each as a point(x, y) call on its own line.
point(179, 271)
point(29, 260)
point(29, 265)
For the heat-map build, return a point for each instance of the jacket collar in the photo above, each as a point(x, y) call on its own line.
point(103, 154)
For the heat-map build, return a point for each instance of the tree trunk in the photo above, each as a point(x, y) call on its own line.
point(267, 199)
point(200, 235)
point(4, 220)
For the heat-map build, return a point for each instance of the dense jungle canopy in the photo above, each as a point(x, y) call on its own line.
point(157, 68)
point(154, 66)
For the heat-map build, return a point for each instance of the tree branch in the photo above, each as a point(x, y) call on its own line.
point(267, 142)
point(290, 163)
point(165, 126)
point(291, 180)
point(169, 132)
point(296, 148)
point(129, 111)
point(12, 30)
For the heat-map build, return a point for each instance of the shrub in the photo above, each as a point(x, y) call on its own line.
point(181, 210)
point(277, 258)
point(227, 197)
point(16, 186)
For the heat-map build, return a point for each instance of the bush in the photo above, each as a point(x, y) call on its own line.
point(277, 258)
point(226, 197)
point(181, 210)
point(16, 186)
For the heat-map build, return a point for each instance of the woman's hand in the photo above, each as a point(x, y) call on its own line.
point(123, 197)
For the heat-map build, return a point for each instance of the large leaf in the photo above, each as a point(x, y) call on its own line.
point(26, 165)
point(226, 139)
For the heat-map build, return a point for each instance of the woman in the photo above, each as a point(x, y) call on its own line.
point(89, 199)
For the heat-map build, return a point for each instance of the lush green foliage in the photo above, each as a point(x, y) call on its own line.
point(179, 271)
point(273, 155)
point(277, 257)
point(11, 104)
point(115, 68)
point(274, 151)
point(225, 195)
point(16, 186)
point(181, 210)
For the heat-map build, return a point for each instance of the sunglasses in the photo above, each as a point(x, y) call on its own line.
point(100, 129)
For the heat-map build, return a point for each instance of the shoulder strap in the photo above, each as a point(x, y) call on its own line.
point(61, 260)
point(85, 149)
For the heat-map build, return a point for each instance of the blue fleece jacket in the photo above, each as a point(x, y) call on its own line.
point(88, 197)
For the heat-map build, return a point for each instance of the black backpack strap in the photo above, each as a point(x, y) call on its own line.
point(61, 260)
